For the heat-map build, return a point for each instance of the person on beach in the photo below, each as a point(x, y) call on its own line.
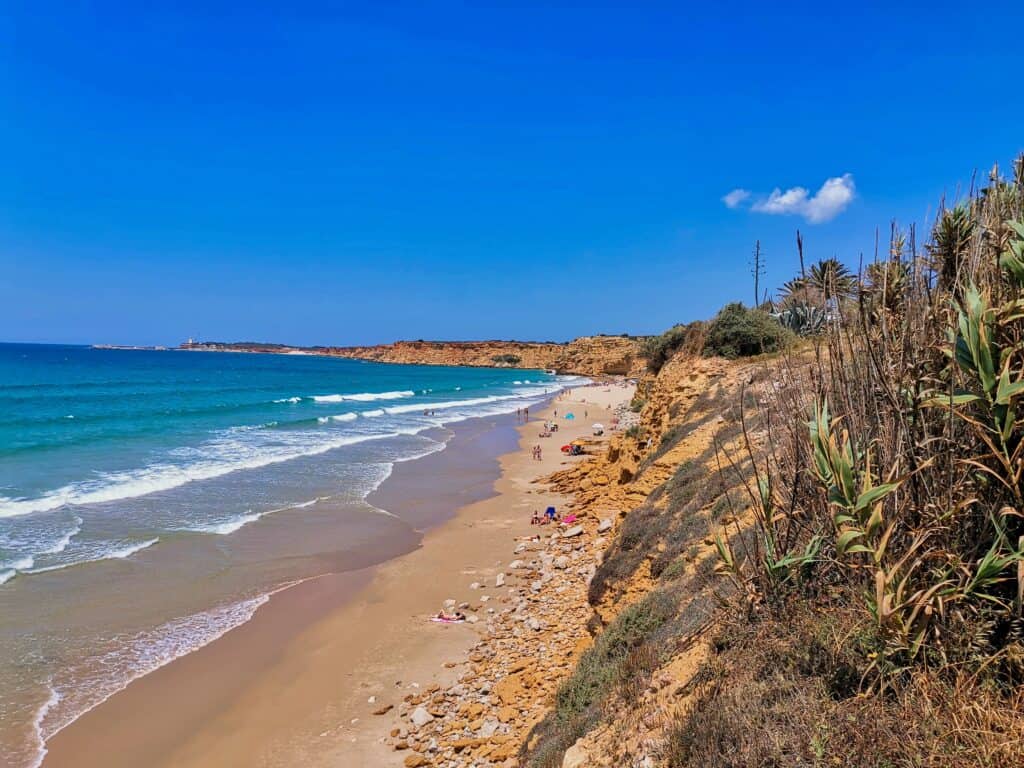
point(537, 452)
point(535, 520)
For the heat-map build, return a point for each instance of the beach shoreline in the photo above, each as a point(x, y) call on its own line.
point(293, 686)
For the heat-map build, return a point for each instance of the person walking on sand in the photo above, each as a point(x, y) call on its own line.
point(538, 453)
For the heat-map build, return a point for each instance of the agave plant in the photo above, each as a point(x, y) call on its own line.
point(803, 319)
point(952, 241)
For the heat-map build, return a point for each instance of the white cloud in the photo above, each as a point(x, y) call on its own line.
point(827, 203)
point(734, 198)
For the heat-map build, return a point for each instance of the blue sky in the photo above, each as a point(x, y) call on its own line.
point(360, 172)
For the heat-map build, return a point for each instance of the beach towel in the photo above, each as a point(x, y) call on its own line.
point(439, 620)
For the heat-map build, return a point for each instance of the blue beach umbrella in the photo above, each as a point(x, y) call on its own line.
point(569, 416)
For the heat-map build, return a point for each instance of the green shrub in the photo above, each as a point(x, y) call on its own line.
point(659, 349)
point(740, 332)
point(506, 359)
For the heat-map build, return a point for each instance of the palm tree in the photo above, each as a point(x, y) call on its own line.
point(832, 279)
point(794, 292)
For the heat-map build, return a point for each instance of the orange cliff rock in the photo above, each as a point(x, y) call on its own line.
point(587, 356)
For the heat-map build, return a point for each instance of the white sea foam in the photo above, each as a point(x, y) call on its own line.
point(219, 457)
point(120, 553)
point(144, 653)
point(226, 527)
point(6, 575)
point(345, 416)
point(289, 400)
point(62, 543)
point(469, 402)
point(37, 724)
point(364, 396)
point(22, 563)
point(374, 412)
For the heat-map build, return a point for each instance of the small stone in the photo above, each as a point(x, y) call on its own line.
point(420, 717)
point(499, 580)
point(604, 525)
point(475, 585)
point(576, 530)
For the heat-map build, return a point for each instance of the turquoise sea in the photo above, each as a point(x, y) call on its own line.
point(245, 471)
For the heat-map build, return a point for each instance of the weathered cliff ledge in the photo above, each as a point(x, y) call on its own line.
point(585, 356)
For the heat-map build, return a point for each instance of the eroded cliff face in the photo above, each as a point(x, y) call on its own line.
point(661, 486)
point(586, 356)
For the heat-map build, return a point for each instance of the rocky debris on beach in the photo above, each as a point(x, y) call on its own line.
point(531, 633)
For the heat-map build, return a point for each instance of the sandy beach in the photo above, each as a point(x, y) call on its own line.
point(299, 684)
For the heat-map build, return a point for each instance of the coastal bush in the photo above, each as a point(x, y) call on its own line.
point(659, 349)
point(506, 359)
point(738, 331)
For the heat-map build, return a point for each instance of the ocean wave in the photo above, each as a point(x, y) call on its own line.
point(62, 543)
point(339, 417)
point(374, 412)
point(289, 400)
point(226, 527)
point(363, 397)
point(121, 553)
point(144, 653)
point(217, 458)
point(20, 563)
point(449, 404)
point(52, 700)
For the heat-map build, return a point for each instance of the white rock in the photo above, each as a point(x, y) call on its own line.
point(420, 717)
point(537, 586)
point(475, 585)
point(604, 525)
point(576, 756)
point(516, 564)
point(576, 530)
point(488, 729)
point(472, 619)
point(449, 603)
point(561, 562)
point(372, 700)
point(499, 580)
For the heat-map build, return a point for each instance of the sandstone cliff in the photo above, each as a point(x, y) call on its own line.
point(585, 356)
point(588, 355)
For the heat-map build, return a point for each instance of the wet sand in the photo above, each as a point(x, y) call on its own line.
point(291, 687)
